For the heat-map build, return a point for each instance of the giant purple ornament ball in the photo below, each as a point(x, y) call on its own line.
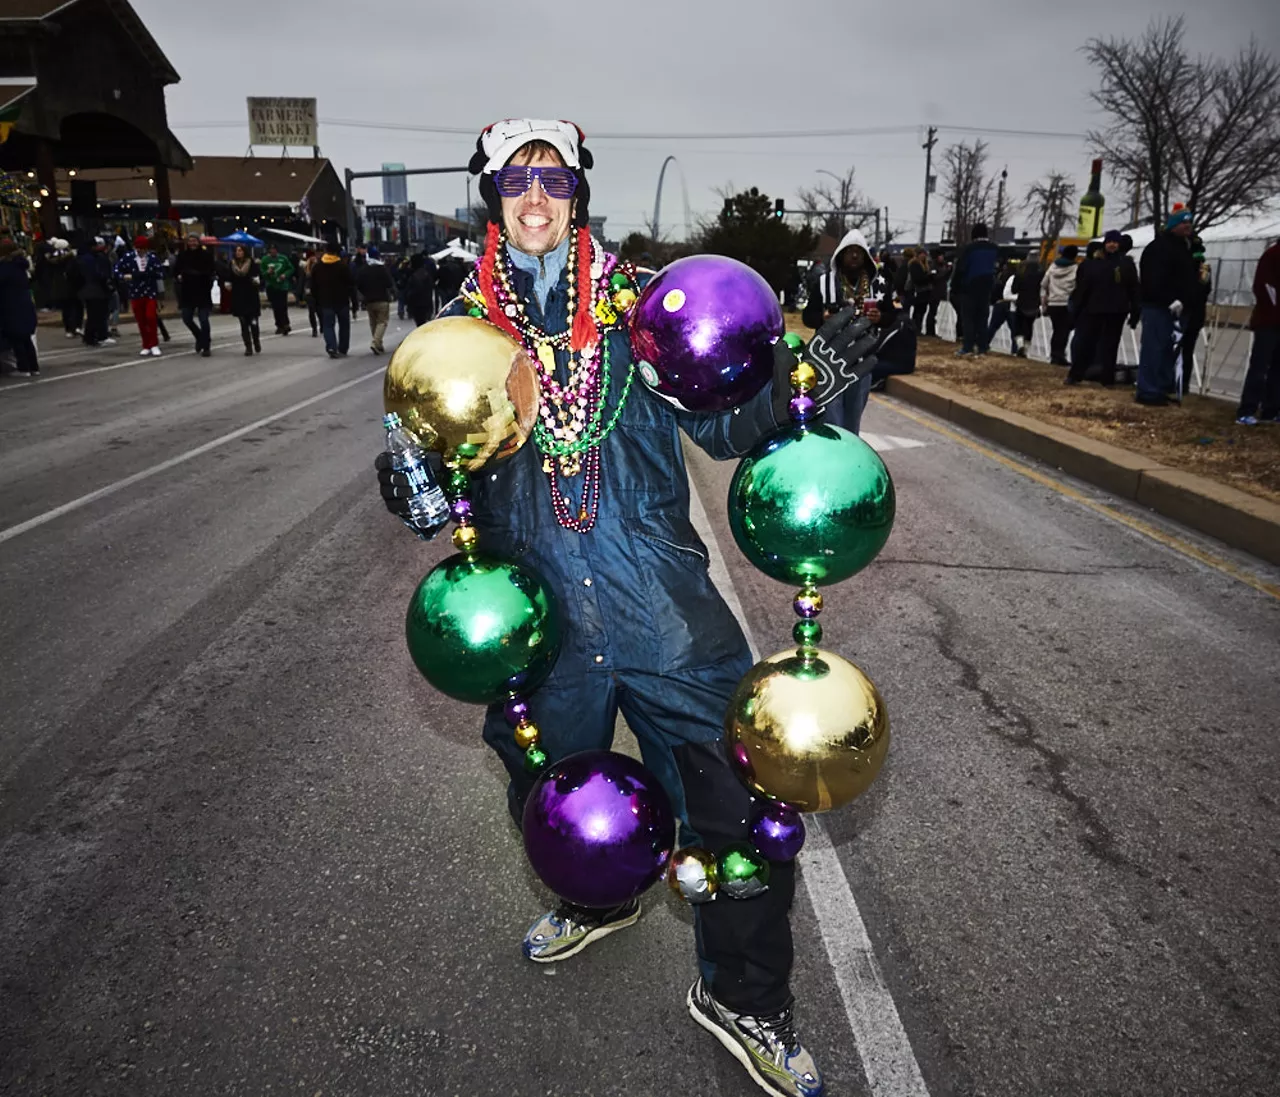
point(703, 331)
point(598, 828)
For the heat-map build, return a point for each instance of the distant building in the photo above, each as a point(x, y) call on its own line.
point(395, 188)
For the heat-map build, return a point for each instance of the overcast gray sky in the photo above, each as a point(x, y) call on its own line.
point(669, 67)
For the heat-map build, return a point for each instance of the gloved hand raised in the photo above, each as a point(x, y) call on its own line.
point(397, 489)
point(840, 352)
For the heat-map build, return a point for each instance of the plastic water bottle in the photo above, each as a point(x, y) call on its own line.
point(427, 505)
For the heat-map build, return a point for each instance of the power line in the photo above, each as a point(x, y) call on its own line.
point(753, 135)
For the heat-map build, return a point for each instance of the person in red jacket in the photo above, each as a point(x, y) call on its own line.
point(1260, 398)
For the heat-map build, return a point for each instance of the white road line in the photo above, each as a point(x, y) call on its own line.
point(883, 442)
point(887, 1059)
point(164, 466)
point(137, 360)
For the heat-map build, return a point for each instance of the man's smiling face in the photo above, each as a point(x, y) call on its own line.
point(536, 224)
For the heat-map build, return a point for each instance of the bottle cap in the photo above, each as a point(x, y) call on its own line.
point(390, 420)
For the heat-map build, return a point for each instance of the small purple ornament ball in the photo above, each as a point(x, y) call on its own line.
point(703, 332)
point(515, 710)
point(598, 828)
point(460, 509)
point(802, 408)
point(778, 832)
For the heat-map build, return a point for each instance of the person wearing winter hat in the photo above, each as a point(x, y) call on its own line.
point(1106, 293)
point(377, 288)
point(1055, 296)
point(602, 513)
point(138, 273)
point(1169, 274)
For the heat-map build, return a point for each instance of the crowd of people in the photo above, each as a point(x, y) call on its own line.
point(91, 281)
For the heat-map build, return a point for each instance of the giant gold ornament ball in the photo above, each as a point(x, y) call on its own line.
point(459, 381)
point(479, 628)
point(808, 728)
point(811, 504)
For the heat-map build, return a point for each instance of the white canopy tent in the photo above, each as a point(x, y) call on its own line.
point(1232, 249)
point(455, 249)
point(296, 236)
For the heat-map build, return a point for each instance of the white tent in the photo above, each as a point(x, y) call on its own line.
point(296, 236)
point(455, 249)
point(1232, 250)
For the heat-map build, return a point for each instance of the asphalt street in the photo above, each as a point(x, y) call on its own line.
point(245, 849)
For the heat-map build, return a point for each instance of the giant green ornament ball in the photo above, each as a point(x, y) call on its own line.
point(479, 628)
point(811, 503)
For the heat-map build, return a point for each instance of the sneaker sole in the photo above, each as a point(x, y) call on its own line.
point(731, 1046)
point(590, 939)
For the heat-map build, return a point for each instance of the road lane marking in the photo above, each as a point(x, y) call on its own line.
point(1168, 540)
point(888, 1062)
point(882, 443)
point(137, 360)
point(173, 462)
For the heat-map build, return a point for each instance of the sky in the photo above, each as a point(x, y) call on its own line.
point(667, 68)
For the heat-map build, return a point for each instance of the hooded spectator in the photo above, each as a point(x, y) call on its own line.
point(939, 276)
point(1055, 295)
point(420, 291)
point(1106, 294)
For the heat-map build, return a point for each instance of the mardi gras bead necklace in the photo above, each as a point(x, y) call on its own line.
point(573, 417)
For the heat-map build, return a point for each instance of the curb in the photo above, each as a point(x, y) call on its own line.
point(1234, 517)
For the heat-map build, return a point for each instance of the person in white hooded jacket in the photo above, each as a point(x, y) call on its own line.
point(1055, 293)
point(853, 278)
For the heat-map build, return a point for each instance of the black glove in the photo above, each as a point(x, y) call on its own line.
point(840, 352)
point(397, 491)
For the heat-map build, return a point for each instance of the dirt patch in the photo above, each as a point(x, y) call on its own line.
point(1201, 436)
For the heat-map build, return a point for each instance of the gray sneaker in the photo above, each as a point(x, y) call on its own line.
point(767, 1046)
point(569, 929)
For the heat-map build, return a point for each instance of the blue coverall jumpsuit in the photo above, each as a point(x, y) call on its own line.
point(645, 632)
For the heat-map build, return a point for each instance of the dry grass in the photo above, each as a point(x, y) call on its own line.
point(1201, 436)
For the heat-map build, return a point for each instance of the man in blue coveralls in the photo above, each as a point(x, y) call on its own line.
point(645, 631)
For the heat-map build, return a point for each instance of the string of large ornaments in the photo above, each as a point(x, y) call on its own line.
point(598, 826)
point(812, 504)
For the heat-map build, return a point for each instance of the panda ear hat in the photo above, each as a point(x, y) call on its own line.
point(499, 142)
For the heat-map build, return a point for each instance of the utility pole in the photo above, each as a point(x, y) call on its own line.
point(929, 181)
point(1004, 175)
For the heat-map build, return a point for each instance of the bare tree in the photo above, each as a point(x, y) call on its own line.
point(1049, 201)
point(967, 187)
point(841, 193)
point(1204, 126)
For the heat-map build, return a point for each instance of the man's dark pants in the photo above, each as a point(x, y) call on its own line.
point(1060, 318)
point(1261, 393)
point(190, 313)
point(744, 946)
point(976, 303)
point(341, 319)
point(279, 299)
point(1155, 357)
point(1097, 340)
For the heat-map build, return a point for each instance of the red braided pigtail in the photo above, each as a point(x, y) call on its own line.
point(584, 325)
point(492, 241)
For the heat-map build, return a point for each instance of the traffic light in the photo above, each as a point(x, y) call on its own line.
point(779, 208)
point(728, 207)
